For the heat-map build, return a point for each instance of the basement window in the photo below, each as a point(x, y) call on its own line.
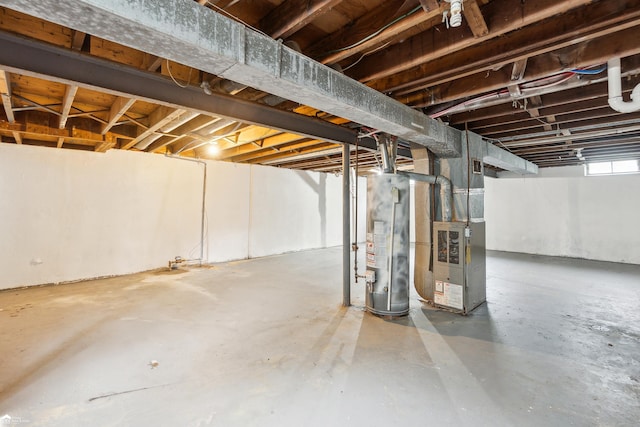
point(617, 167)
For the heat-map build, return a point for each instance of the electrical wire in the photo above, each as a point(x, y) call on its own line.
point(173, 78)
point(376, 33)
point(366, 54)
point(588, 71)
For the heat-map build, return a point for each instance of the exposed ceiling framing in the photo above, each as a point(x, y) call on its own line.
point(528, 76)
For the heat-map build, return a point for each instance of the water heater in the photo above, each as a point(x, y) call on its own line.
point(387, 273)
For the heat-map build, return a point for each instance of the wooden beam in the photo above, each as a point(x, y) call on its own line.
point(17, 136)
point(5, 93)
point(506, 16)
point(195, 140)
point(599, 52)
point(77, 40)
point(429, 5)
point(474, 18)
point(269, 151)
point(194, 125)
point(118, 108)
point(595, 21)
point(313, 149)
point(108, 143)
point(60, 142)
point(158, 118)
point(38, 131)
point(533, 105)
point(269, 142)
point(292, 15)
point(168, 127)
point(350, 40)
point(591, 96)
point(67, 102)
point(517, 72)
point(152, 62)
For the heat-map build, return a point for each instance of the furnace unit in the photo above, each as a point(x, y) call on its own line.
point(459, 270)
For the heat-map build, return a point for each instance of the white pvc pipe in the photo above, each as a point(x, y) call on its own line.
point(615, 90)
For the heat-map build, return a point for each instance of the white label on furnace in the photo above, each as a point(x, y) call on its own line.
point(371, 260)
point(448, 294)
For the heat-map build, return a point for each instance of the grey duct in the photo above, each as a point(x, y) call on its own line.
point(446, 195)
point(615, 90)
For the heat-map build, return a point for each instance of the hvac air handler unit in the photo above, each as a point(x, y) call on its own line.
point(459, 271)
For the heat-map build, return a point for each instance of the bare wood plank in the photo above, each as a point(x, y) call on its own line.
point(60, 142)
point(292, 15)
point(596, 21)
point(158, 118)
point(295, 152)
point(194, 125)
point(108, 143)
point(154, 62)
point(428, 46)
point(346, 42)
point(67, 102)
point(17, 136)
point(599, 51)
point(268, 151)
point(5, 92)
point(474, 18)
point(429, 5)
point(519, 67)
point(38, 130)
point(118, 108)
point(77, 40)
point(226, 128)
point(269, 142)
point(168, 127)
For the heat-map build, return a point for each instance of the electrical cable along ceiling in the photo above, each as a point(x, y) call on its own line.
point(529, 77)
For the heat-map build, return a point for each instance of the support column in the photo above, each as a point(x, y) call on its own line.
point(346, 227)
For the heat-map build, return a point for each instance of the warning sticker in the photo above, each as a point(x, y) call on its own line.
point(371, 260)
point(448, 294)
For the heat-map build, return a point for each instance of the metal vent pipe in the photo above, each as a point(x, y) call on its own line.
point(445, 190)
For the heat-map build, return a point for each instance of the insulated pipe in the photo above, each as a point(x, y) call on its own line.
point(446, 195)
point(615, 90)
point(346, 224)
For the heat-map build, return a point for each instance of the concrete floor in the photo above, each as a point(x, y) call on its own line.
point(265, 343)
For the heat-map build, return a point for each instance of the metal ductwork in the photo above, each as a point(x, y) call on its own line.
point(615, 90)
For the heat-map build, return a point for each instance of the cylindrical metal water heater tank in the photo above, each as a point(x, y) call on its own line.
point(387, 274)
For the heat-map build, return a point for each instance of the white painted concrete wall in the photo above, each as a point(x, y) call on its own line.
point(561, 212)
point(68, 215)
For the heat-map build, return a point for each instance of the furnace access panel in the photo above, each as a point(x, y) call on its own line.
point(459, 268)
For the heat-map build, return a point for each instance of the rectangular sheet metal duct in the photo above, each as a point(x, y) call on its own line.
point(188, 33)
